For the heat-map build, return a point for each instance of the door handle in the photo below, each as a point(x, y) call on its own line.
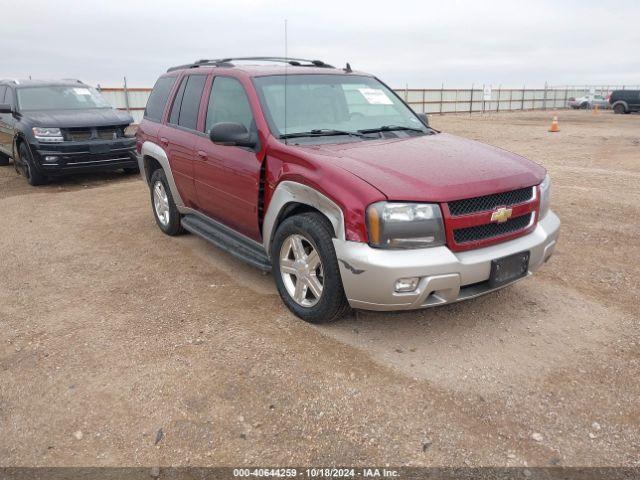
point(164, 141)
point(202, 155)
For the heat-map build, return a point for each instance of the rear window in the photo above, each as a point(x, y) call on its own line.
point(158, 98)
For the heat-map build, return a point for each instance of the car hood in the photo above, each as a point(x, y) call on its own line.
point(436, 168)
point(78, 118)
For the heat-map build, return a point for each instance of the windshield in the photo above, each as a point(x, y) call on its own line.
point(60, 97)
point(322, 103)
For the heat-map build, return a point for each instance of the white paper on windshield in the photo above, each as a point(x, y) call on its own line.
point(375, 96)
point(82, 91)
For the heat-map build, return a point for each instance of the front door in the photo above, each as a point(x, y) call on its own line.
point(227, 177)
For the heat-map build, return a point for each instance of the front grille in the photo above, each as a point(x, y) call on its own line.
point(490, 202)
point(112, 132)
point(491, 230)
point(79, 135)
point(107, 133)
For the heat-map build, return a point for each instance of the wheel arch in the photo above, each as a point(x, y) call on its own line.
point(620, 102)
point(291, 198)
point(154, 156)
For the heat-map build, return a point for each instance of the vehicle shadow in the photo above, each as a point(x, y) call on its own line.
point(14, 184)
point(516, 334)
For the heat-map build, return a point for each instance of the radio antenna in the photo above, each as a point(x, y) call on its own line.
point(286, 64)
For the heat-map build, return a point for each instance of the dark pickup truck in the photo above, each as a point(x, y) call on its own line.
point(52, 128)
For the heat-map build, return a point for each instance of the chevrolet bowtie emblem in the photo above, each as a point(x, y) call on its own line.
point(501, 215)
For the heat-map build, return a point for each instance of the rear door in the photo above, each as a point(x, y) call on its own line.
point(179, 136)
point(227, 177)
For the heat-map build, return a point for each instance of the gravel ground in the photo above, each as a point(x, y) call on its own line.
point(111, 331)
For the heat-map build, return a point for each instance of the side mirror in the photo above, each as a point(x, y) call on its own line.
point(423, 118)
point(231, 134)
point(6, 108)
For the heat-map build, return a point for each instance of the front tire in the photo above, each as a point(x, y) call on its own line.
point(34, 177)
point(164, 208)
point(4, 159)
point(306, 269)
point(131, 170)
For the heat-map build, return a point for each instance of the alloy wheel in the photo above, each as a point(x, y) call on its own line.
point(301, 270)
point(161, 203)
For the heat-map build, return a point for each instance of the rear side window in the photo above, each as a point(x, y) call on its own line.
point(2, 90)
point(190, 105)
point(177, 101)
point(8, 97)
point(158, 98)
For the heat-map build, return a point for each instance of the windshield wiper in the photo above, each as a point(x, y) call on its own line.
point(323, 132)
point(391, 128)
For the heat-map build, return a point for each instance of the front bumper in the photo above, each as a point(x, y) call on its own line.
point(369, 274)
point(72, 157)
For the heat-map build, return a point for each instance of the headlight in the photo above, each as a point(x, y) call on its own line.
point(405, 225)
point(50, 135)
point(545, 195)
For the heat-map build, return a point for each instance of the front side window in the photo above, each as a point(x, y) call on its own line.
point(8, 97)
point(158, 98)
point(60, 97)
point(331, 102)
point(228, 102)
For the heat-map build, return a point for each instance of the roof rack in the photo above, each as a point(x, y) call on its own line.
point(227, 62)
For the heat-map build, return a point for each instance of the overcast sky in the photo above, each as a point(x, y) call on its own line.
point(423, 43)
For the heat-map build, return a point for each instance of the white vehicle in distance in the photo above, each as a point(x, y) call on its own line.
point(588, 101)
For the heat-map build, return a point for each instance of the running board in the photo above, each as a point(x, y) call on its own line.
point(225, 238)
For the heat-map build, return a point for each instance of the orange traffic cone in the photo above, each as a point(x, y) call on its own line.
point(554, 125)
point(595, 110)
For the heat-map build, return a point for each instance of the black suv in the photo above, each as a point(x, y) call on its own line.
point(58, 127)
point(625, 101)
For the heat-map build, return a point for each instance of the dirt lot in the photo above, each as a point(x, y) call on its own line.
point(111, 331)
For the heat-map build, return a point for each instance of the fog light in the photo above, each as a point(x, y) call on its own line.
point(404, 285)
point(50, 158)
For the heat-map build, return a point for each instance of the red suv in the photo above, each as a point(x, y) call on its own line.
point(327, 178)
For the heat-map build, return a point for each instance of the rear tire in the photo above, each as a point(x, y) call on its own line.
point(164, 208)
point(34, 177)
point(4, 159)
point(305, 269)
point(584, 106)
point(619, 109)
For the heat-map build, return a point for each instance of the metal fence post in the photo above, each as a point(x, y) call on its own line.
point(471, 102)
point(522, 103)
point(126, 95)
point(510, 98)
point(455, 105)
point(441, 97)
point(544, 100)
point(499, 91)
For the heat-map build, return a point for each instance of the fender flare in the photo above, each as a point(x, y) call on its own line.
point(293, 192)
point(155, 151)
